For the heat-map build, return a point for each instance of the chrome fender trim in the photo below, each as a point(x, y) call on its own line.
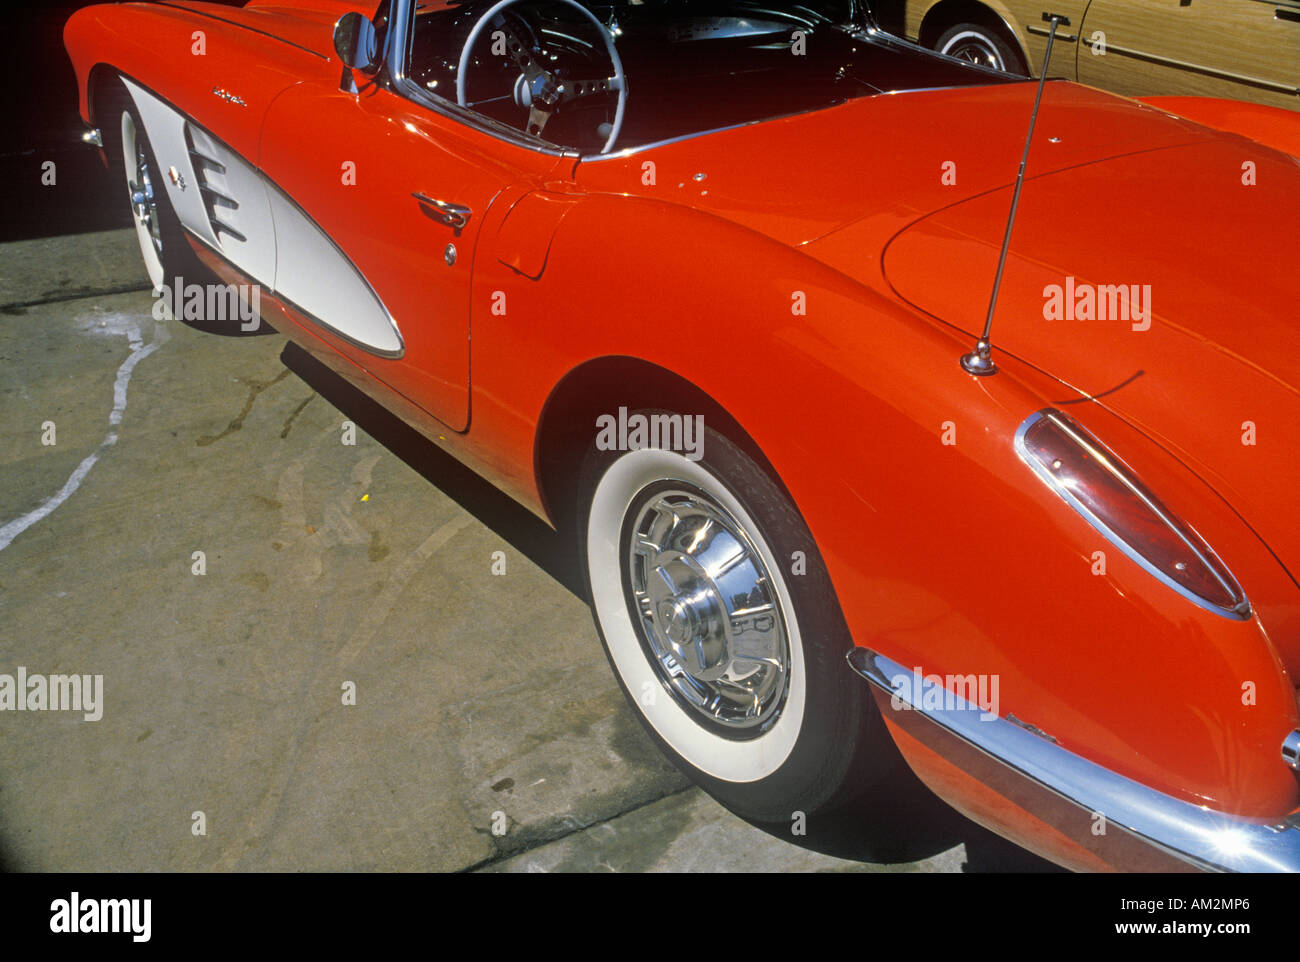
point(1150, 820)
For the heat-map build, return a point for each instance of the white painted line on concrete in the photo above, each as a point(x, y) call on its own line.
point(139, 351)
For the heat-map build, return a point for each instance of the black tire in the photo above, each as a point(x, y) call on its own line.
point(983, 44)
point(841, 747)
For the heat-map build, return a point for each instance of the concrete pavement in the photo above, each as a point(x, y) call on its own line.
point(487, 731)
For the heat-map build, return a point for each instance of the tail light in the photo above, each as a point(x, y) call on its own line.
point(1103, 489)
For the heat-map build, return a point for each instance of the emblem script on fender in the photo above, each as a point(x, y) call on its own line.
point(228, 97)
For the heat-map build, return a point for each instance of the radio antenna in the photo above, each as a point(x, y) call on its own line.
point(980, 360)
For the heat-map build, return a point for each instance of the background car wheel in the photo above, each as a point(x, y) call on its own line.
point(169, 261)
point(984, 45)
point(733, 662)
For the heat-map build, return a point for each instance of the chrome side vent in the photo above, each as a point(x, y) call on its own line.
point(218, 196)
point(203, 160)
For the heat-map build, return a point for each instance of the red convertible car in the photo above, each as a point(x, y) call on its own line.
point(699, 281)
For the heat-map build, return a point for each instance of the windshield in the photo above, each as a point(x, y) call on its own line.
point(609, 76)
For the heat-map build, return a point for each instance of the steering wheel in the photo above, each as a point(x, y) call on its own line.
point(539, 89)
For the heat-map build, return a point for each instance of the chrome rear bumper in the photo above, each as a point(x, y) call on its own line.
point(1146, 830)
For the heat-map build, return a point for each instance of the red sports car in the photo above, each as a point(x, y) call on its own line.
point(701, 282)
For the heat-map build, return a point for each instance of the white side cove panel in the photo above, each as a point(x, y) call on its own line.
point(229, 205)
point(234, 200)
point(166, 130)
point(315, 276)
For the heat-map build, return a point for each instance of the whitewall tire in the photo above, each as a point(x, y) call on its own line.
point(983, 45)
point(731, 654)
point(174, 270)
point(146, 193)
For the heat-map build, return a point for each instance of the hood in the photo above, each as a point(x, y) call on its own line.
point(303, 23)
point(1201, 241)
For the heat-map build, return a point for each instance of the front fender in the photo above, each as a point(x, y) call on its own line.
point(186, 58)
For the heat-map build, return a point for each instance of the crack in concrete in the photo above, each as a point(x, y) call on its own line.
point(254, 389)
point(11, 307)
point(546, 838)
point(288, 424)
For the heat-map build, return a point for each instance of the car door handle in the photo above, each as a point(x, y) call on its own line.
point(454, 216)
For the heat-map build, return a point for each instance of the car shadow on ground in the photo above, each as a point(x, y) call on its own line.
point(528, 534)
point(898, 820)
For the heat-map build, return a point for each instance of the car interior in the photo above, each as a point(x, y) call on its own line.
point(690, 65)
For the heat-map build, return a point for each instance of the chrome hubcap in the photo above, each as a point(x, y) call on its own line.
point(143, 202)
point(707, 616)
point(975, 50)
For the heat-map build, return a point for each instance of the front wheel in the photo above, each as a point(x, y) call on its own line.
point(176, 273)
point(147, 197)
point(723, 629)
point(977, 43)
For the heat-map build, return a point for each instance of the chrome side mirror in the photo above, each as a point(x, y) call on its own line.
point(355, 42)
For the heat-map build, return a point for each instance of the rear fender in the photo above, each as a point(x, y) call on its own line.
point(1271, 126)
point(953, 557)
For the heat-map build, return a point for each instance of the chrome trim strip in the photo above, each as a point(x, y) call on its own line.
point(629, 151)
point(1105, 457)
point(1210, 840)
point(221, 227)
point(369, 349)
point(217, 166)
point(1038, 31)
point(226, 260)
point(1198, 68)
point(343, 336)
point(212, 191)
point(394, 355)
